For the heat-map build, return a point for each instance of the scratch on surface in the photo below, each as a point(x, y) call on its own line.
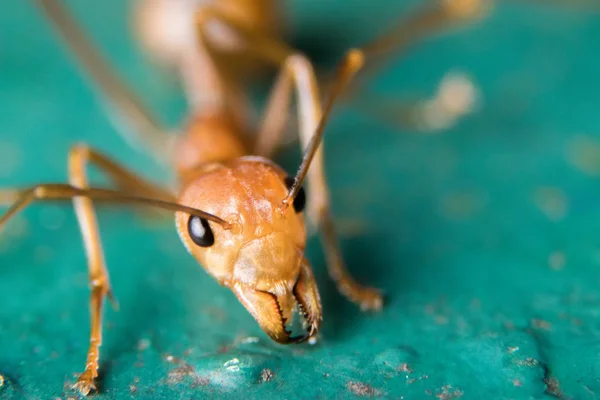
point(552, 384)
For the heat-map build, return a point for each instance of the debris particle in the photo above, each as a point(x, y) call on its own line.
point(553, 387)
point(552, 201)
point(232, 365)
point(404, 367)
point(509, 325)
point(462, 205)
point(180, 373)
point(171, 359)
point(517, 383)
point(457, 96)
point(361, 389)
point(511, 350)
point(584, 154)
point(266, 375)
point(249, 339)
point(1, 381)
point(541, 324)
point(528, 362)
point(447, 392)
point(143, 344)
point(413, 380)
point(176, 376)
point(556, 260)
point(200, 381)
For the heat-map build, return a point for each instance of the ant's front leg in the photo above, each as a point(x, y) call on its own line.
point(79, 157)
point(298, 71)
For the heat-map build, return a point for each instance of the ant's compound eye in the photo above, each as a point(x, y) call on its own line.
point(200, 231)
point(300, 200)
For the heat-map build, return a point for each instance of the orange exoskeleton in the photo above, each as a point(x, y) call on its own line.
point(238, 213)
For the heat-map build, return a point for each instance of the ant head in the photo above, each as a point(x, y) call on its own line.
point(261, 254)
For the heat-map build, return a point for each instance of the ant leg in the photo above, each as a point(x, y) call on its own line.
point(424, 22)
point(299, 71)
point(456, 95)
point(229, 95)
point(132, 120)
point(79, 157)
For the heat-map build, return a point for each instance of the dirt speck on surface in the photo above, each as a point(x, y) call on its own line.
point(143, 344)
point(528, 362)
point(447, 392)
point(541, 324)
point(517, 383)
point(420, 378)
point(462, 205)
point(133, 386)
point(552, 202)
point(556, 260)
point(362, 389)
point(266, 375)
point(584, 154)
point(172, 359)
point(553, 387)
point(179, 374)
point(404, 367)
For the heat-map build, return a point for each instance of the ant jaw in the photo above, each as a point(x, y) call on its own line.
point(270, 310)
point(309, 301)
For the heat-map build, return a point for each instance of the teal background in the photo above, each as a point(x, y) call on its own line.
point(485, 238)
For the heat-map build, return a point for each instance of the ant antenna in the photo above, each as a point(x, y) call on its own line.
point(352, 63)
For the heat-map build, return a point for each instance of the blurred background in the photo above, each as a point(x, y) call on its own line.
point(483, 236)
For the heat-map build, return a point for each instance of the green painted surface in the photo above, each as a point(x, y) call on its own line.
point(485, 239)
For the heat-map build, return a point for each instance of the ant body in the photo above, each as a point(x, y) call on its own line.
point(241, 216)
